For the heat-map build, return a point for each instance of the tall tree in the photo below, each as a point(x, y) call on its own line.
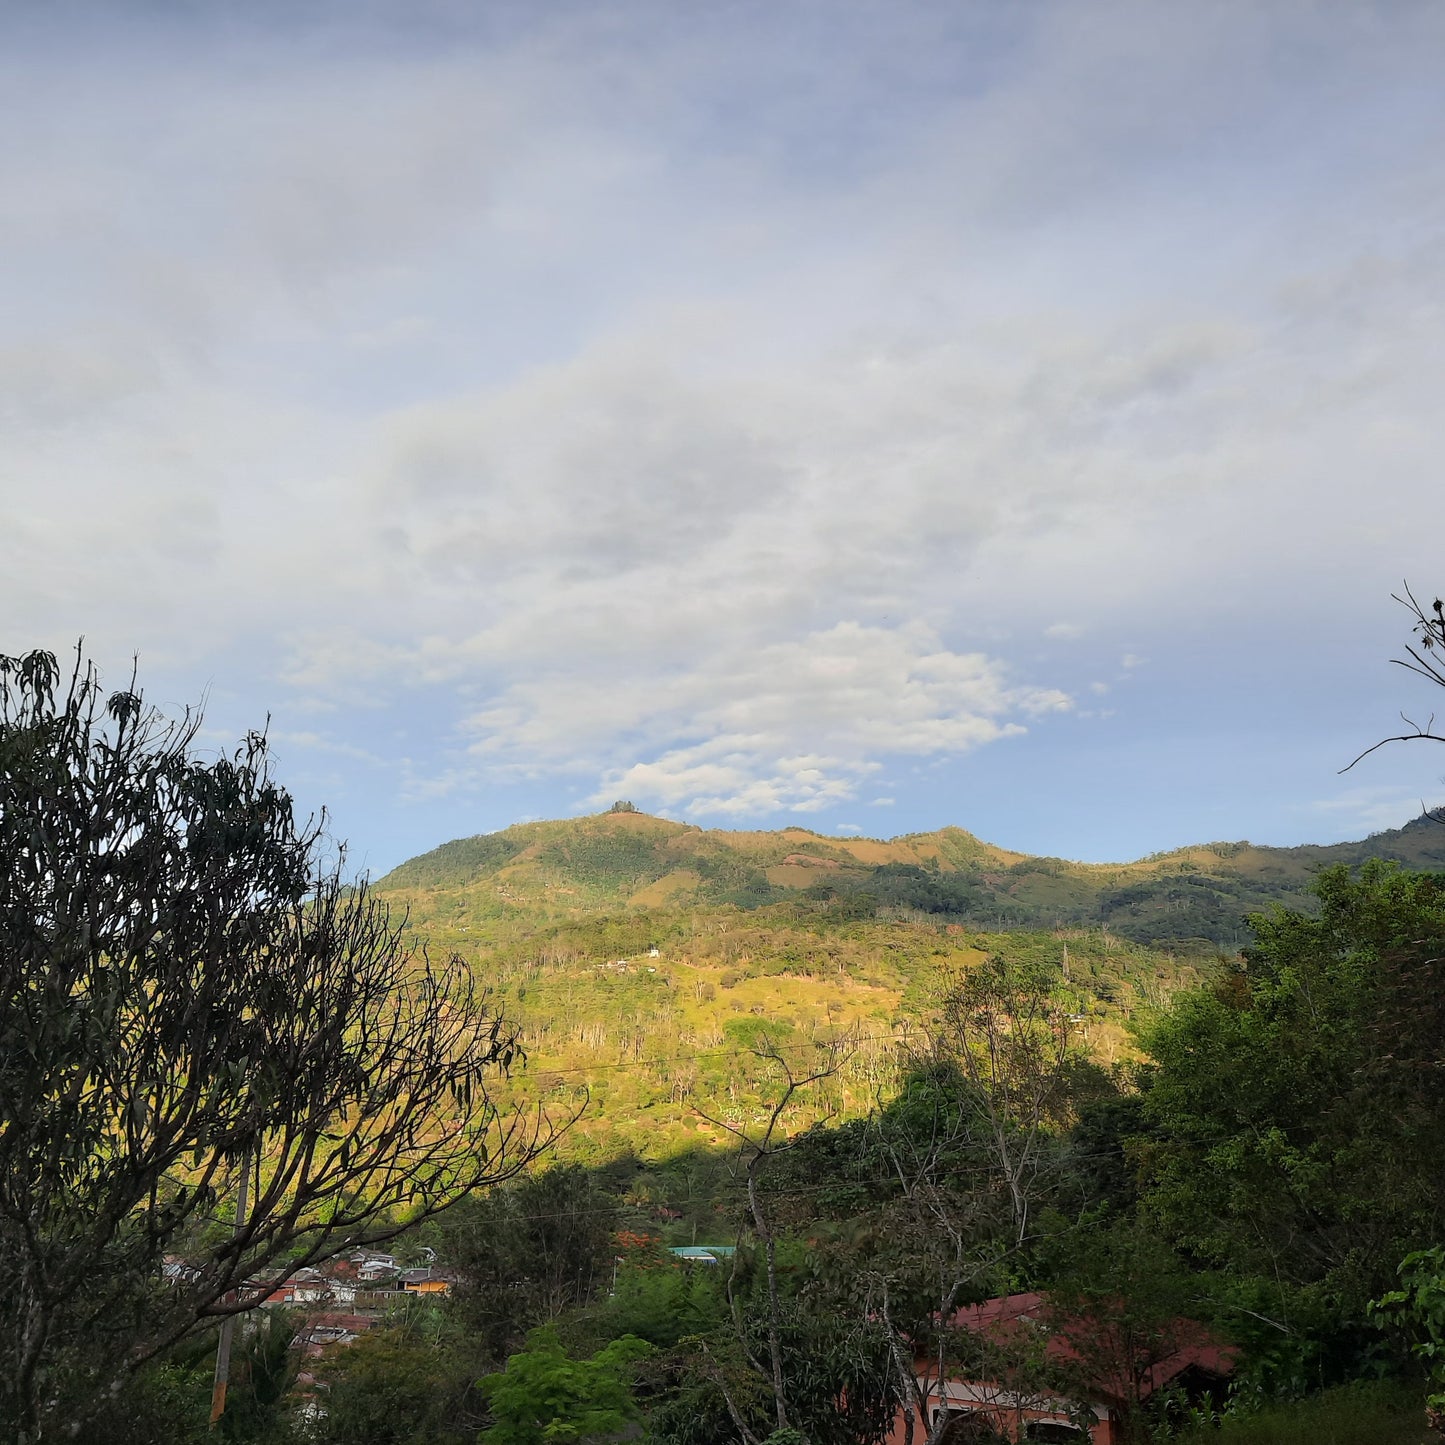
point(530, 1251)
point(189, 994)
point(1298, 1106)
point(946, 1179)
point(1003, 1029)
point(759, 1146)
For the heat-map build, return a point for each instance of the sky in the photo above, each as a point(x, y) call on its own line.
point(864, 416)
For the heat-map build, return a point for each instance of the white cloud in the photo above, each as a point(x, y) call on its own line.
point(793, 726)
point(1357, 811)
point(711, 410)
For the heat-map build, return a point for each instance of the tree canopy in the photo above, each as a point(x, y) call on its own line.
point(191, 996)
point(1298, 1106)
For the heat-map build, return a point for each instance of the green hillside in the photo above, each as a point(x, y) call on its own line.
point(644, 958)
point(1197, 897)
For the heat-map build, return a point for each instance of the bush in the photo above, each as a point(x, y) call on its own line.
point(1359, 1414)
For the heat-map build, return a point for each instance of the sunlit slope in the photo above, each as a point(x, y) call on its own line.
point(549, 871)
point(654, 1015)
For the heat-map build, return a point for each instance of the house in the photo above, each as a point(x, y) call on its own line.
point(325, 1331)
point(176, 1270)
point(426, 1281)
point(308, 1286)
point(371, 1267)
point(334, 1284)
point(1056, 1377)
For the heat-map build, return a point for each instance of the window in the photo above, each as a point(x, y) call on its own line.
point(1055, 1432)
point(969, 1427)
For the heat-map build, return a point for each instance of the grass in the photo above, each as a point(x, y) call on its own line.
point(1360, 1414)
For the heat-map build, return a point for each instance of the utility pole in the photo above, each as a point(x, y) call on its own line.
point(228, 1325)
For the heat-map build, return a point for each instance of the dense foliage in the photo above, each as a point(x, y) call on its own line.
point(194, 1008)
point(884, 1081)
point(1299, 1104)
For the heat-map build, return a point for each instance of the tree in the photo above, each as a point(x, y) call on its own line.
point(947, 1177)
point(193, 1005)
point(256, 1404)
point(544, 1397)
point(542, 1245)
point(712, 1384)
point(1425, 658)
point(411, 1382)
point(1005, 1032)
point(1420, 1304)
point(757, 1147)
point(1297, 1106)
point(1121, 1299)
point(944, 1232)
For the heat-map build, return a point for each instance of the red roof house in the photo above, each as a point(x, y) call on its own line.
point(1040, 1373)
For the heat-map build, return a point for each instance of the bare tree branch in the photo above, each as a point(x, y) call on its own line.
point(758, 1148)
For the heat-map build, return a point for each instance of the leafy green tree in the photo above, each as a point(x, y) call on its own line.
point(662, 1304)
point(190, 997)
point(545, 1396)
point(1127, 1302)
point(1297, 1107)
point(529, 1251)
point(715, 1385)
point(412, 1383)
point(262, 1377)
point(1420, 1305)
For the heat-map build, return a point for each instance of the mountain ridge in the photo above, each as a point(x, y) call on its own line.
point(624, 859)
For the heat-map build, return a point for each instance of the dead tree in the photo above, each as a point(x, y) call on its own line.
point(756, 1148)
point(1424, 659)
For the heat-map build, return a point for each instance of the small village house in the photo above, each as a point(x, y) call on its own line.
point(1041, 1374)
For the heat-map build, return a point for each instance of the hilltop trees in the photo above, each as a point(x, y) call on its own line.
point(193, 1006)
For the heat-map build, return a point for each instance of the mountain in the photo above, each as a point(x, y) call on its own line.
point(643, 959)
point(1196, 897)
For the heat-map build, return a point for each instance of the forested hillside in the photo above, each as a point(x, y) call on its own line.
point(1193, 897)
point(645, 959)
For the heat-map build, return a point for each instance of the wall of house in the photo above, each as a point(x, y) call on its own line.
point(1006, 1412)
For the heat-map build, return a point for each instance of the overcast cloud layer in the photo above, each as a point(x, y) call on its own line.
point(865, 415)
